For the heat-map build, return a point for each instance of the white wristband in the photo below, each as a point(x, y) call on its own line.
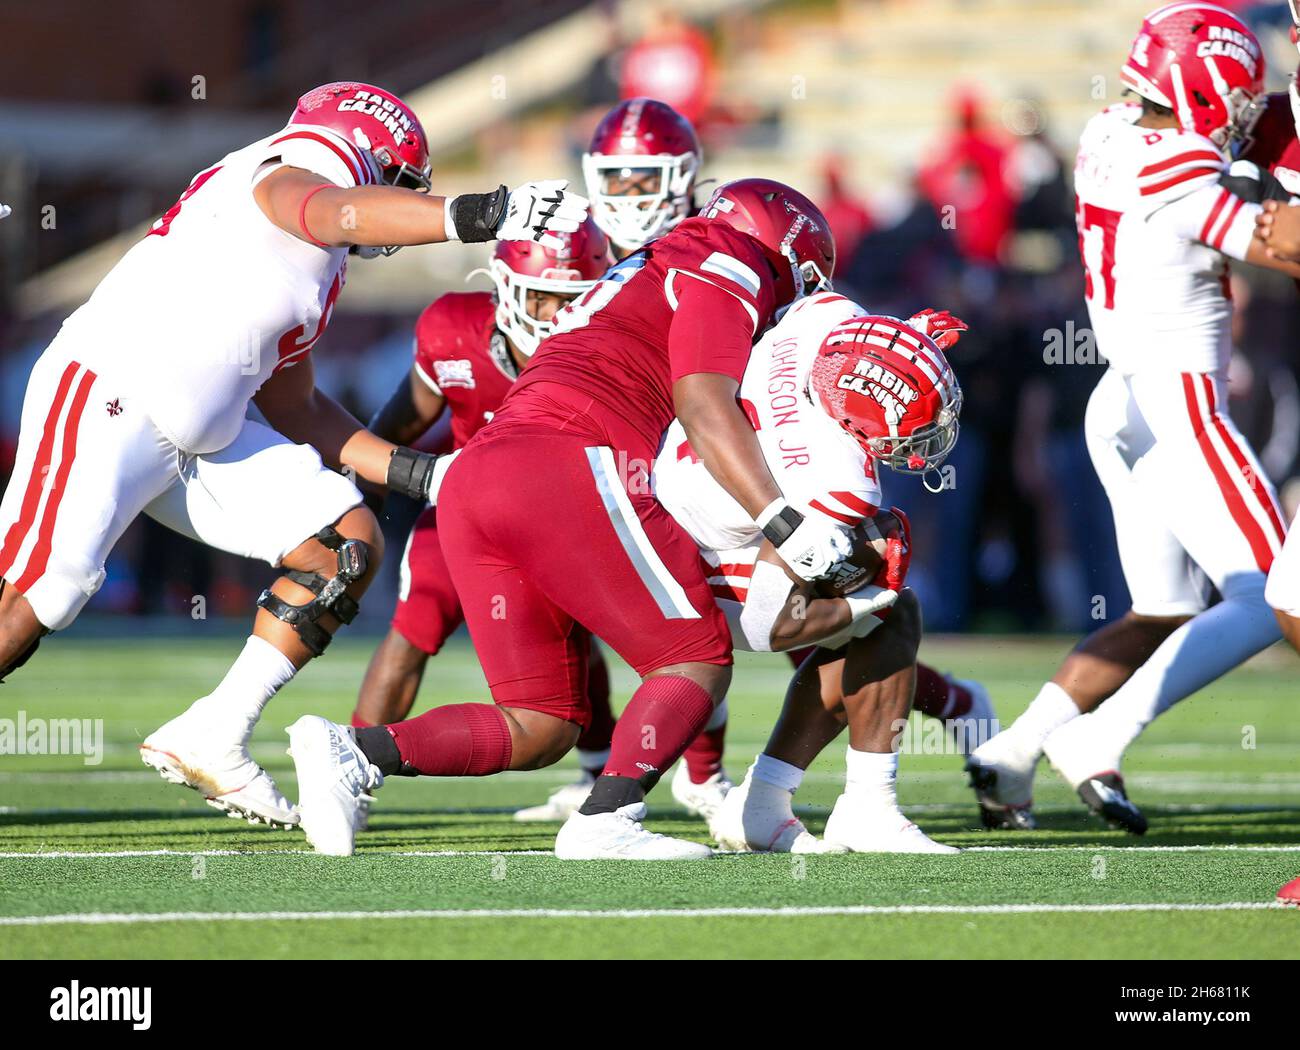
point(448, 223)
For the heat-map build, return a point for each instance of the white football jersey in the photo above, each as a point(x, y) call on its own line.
point(820, 469)
point(216, 298)
point(1154, 229)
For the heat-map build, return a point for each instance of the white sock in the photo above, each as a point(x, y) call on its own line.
point(257, 674)
point(871, 776)
point(1203, 649)
point(775, 773)
point(1050, 710)
point(719, 717)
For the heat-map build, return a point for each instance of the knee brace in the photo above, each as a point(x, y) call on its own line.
point(330, 593)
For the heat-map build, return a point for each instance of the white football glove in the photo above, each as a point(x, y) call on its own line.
point(812, 547)
point(536, 210)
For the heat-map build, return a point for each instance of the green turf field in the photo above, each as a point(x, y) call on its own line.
point(108, 861)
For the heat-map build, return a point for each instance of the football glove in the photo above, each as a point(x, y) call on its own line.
point(939, 325)
point(812, 547)
point(898, 554)
point(536, 211)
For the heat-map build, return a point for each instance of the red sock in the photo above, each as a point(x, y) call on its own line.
point(360, 723)
point(704, 757)
point(938, 696)
point(460, 740)
point(597, 735)
point(664, 715)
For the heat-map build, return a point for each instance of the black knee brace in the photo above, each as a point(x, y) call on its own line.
point(330, 597)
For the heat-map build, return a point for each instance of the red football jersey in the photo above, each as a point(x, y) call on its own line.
point(609, 369)
point(1273, 143)
point(460, 354)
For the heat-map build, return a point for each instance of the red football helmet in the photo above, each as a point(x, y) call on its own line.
point(378, 122)
point(1203, 63)
point(520, 267)
point(640, 171)
point(785, 222)
point(891, 389)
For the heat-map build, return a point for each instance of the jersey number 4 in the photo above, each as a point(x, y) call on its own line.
point(1089, 216)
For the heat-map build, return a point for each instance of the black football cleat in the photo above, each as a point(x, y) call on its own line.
point(993, 815)
point(1104, 795)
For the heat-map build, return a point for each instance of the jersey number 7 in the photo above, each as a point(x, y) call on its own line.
point(1089, 216)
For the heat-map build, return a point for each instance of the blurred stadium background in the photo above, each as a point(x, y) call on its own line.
point(938, 136)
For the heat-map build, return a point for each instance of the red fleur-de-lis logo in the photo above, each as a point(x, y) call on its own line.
point(114, 407)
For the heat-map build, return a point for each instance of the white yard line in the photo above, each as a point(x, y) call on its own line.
point(125, 918)
point(135, 853)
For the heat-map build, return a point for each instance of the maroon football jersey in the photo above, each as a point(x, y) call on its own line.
point(1273, 143)
point(460, 354)
point(609, 369)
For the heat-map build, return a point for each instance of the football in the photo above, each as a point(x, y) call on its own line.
point(868, 555)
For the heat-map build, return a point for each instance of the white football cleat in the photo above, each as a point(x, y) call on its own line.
point(561, 804)
point(872, 828)
point(1088, 755)
point(1001, 773)
point(700, 800)
point(759, 818)
point(333, 777)
point(620, 836)
point(183, 752)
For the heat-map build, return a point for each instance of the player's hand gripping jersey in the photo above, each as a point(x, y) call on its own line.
point(1155, 223)
point(216, 298)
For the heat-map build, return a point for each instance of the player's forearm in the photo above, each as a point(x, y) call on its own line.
point(320, 421)
point(722, 437)
point(806, 621)
point(374, 216)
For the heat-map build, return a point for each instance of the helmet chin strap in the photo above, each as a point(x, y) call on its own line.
point(925, 480)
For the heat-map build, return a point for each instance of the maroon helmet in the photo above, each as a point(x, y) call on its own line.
point(785, 222)
point(520, 267)
point(648, 141)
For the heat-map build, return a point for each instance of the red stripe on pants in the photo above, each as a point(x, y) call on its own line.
point(17, 534)
point(1236, 506)
point(1246, 468)
point(41, 552)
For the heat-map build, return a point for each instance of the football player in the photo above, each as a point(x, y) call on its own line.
point(666, 333)
point(833, 393)
point(140, 406)
point(1160, 214)
point(640, 172)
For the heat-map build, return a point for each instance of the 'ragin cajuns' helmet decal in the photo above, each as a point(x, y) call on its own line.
point(646, 138)
point(1202, 62)
point(790, 226)
point(518, 267)
point(891, 389)
point(377, 122)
